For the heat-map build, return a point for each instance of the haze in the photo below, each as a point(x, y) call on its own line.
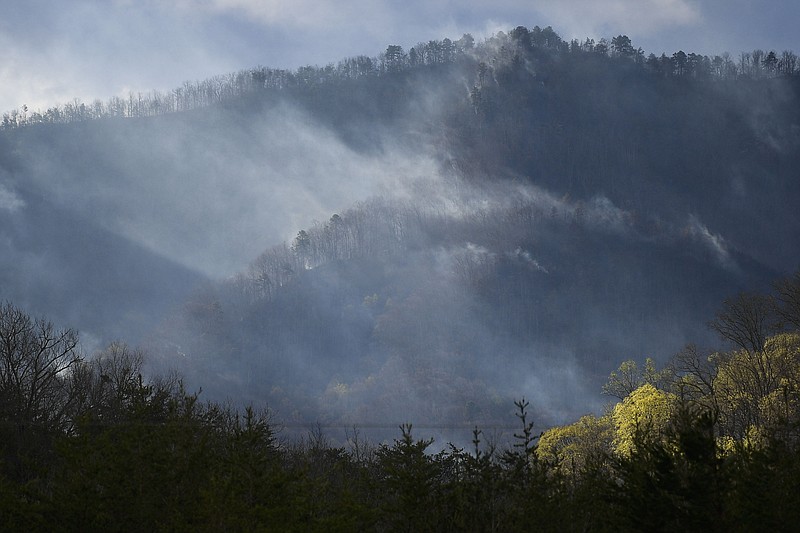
point(90, 49)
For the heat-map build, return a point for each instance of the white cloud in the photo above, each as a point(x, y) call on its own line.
point(9, 200)
point(304, 14)
point(89, 49)
point(574, 17)
point(601, 18)
point(714, 242)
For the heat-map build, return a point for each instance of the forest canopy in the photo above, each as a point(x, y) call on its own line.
point(500, 48)
point(103, 448)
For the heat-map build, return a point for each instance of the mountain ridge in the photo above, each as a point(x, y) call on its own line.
point(526, 215)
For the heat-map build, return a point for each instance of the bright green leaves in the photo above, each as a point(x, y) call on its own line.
point(646, 411)
point(629, 377)
point(573, 446)
point(758, 391)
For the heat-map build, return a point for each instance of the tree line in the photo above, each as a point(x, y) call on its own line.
point(496, 52)
point(709, 442)
point(229, 87)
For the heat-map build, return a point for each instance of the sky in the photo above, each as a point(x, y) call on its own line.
point(52, 53)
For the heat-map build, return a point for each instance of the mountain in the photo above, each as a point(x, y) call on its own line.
point(493, 220)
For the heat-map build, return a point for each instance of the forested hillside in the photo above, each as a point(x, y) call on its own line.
point(424, 235)
point(707, 442)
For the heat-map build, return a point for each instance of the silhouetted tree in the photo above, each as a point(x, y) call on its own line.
point(621, 46)
point(788, 300)
point(36, 394)
point(746, 320)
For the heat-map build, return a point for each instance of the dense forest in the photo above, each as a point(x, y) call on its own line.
point(709, 442)
point(502, 47)
point(416, 240)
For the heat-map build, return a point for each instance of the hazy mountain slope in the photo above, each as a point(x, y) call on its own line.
point(514, 220)
point(62, 264)
point(393, 312)
point(203, 192)
point(653, 199)
point(726, 151)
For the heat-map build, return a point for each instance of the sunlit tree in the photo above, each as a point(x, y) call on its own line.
point(646, 411)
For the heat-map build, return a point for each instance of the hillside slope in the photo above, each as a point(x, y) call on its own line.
point(512, 218)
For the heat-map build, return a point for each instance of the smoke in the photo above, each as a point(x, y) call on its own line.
point(713, 242)
point(582, 18)
point(528, 258)
point(485, 290)
point(88, 50)
point(212, 193)
point(9, 200)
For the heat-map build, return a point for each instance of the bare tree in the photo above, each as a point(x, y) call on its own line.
point(35, 359)
point(36, 395)
point(788, 300)
point(694, 375)
point(746, 320)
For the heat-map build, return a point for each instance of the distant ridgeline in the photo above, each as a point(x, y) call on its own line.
point(495, 53)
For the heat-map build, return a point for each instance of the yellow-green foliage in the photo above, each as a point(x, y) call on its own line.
point(646, 410)
point(569, 447)
point(630, 376)
point(757, 389)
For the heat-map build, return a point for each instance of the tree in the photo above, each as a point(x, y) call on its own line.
point(788, 300)
point(697, 65)
point(248, 488)
point(621, 46)
point(521, 36)
point(746, 320)
point(757, 62)
point(573, 447)
point(467, 42)
point(674, 482)
point(679, 63)
point(302, 247)
point(623, 381)
point(35, 359)
point(410, 482)
point(694, 375)
point(35, 392)
point(629, 377)
point(759, 390)
point(643, 414)
point(545, 38)
point(413, 57)
point(394, 57)
point(146, 471)
point(787, 63)
point(109, 388)
point(771, 62)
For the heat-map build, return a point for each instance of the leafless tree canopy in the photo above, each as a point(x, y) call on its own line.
point(746, 320)
point(35, 360)
point(787, 296)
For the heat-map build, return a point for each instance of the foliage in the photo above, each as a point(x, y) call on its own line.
point(410, 479)
point(613, 151)
point(644, 415)
point(759, 389)
point(674, 483)
point(628, 377)
point(572, 448)
point(136, 454)
point(504, 50)
point(94, 445)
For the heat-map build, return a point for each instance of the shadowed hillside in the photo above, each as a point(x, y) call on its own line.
point(498, 218)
